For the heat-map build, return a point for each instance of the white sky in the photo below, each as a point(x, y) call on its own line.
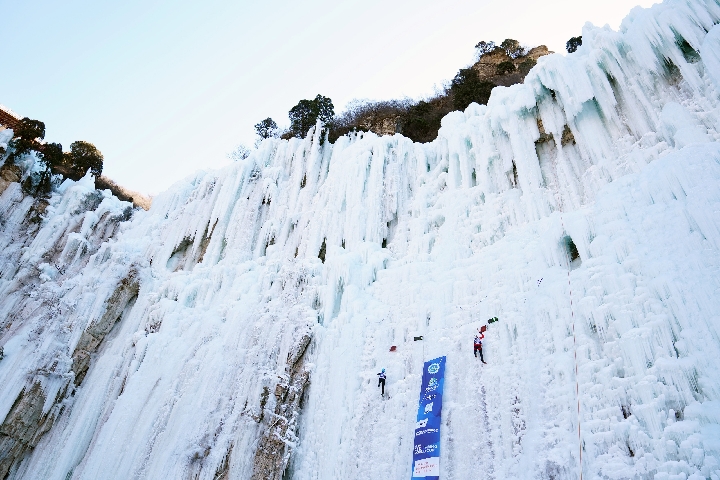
point(166, 88)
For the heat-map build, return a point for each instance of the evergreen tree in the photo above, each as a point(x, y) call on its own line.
point(30, 129)
point(419, 123)
point(573, 44)
point(306, 113)
point(52, 155)
point(266, 128)
point(467, 87)
point(484, 47)
point(26, 136)
point(505, 68)
point(512, 48)
point(241, 152)
point(81, 157)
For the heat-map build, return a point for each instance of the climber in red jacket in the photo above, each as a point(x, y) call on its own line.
point(478, 346)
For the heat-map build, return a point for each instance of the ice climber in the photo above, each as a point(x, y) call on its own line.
point(478, 346)
point(381, 382)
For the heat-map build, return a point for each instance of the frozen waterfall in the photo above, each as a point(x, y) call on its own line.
point(235, 330)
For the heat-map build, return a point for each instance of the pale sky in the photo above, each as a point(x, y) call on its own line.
point(166, 88)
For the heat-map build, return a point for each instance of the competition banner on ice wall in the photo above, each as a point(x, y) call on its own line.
point(426, 451)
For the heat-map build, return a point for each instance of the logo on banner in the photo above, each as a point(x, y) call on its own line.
point(428, 397)
point(434, 368)
point(432, 385)
point(421, 423)
point(428, 407)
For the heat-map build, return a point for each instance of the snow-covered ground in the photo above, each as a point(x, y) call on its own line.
point(613, 149)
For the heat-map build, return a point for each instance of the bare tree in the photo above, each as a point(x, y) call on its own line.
point(241, 152)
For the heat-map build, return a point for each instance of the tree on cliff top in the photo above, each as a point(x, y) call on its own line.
point(573, 44)
point(512, 48)
point(306, 113)
point(241, 152)
point(26, 136)
point(52, 155)
point(83, 156)
point(29, 129)
point(467, 87)
point(484, 47)
point(266, 128)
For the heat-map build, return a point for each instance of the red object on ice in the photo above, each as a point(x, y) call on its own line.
point(483, 328)
point(393, 348)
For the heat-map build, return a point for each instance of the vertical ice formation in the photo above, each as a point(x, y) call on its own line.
point(235, 329)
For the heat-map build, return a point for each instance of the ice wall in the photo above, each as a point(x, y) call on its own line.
point(235, 329)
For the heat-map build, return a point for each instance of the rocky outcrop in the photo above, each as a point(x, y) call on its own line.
point(382, 125)
point(124, 194)
point(487, 65)
point(24, 425)
point(8, 118)
point(280, 432)
point(90, 340)
point(405, 117)
point(9, 173)
point(33, 413)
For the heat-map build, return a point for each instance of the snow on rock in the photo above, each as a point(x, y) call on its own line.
point(235, 330)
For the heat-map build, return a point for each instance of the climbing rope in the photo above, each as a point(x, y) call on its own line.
point(577, 384)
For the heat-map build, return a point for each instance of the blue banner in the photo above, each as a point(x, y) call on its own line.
point(426, 451)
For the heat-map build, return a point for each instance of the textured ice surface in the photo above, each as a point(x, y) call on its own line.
point(615, 147)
